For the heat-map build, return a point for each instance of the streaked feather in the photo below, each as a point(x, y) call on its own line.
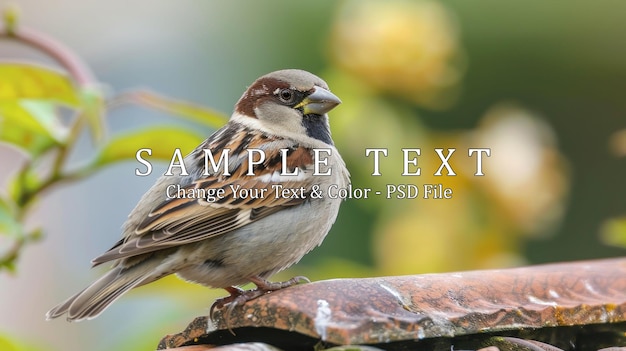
point(180, 221)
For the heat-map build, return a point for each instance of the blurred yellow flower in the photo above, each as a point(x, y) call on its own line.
point(483, 224)
point(527, 174)
point(617, 143)
point(613, 232)
point(407, 48)
point(411, 50)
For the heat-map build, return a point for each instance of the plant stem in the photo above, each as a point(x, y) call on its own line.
point(57, 175)
point(56, 50)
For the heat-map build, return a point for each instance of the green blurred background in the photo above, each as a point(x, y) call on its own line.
point(541, 84)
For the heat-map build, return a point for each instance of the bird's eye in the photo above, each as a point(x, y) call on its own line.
point(286, 95)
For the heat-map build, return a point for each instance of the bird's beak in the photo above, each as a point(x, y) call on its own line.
point(319, 102)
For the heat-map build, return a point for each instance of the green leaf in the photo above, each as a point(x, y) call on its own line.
point(31, 81)
point(45, 113)
point(29, 98)
point(9, 226)
point(613, 232)
point(184, 109)
point(10, 344)
point(162, 141)
point(12, 229)
point(30, 125)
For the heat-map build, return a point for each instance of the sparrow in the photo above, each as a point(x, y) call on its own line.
point(233, 240)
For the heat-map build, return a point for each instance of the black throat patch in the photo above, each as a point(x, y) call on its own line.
point(317, 127)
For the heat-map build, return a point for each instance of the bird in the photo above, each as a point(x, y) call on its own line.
point(233, 240)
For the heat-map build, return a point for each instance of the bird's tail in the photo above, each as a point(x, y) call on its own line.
point(94, 299)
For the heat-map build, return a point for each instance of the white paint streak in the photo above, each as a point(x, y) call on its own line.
point(322, 318)
point(401, 299)
point(420, 333)
point(538, 301)
point(392, 292)
point(590, 288)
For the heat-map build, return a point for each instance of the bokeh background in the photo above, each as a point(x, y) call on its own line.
point(541, 84)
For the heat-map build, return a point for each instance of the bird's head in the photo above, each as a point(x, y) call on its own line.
point(288, 102)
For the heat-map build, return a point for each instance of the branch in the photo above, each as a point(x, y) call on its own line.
point(56, 50)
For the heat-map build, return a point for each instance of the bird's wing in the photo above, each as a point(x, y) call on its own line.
point(180, 221)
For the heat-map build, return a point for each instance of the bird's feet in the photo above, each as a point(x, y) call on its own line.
point(234, 292)
point(267, 286)
point(239, 296)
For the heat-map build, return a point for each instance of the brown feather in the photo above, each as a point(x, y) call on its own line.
point(180, 221)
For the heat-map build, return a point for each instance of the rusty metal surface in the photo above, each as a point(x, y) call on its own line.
point(385, 309)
